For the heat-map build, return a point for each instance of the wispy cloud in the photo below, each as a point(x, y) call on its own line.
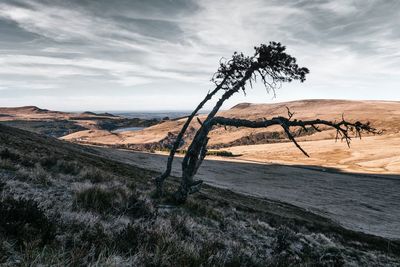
point(32, 85)
point(131, 43)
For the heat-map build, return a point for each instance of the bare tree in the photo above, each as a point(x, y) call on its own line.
point(273, 66)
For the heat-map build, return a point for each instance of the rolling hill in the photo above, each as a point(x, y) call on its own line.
point(58, 124)
point(371, 154)
point(384, 115)
point(35, 113)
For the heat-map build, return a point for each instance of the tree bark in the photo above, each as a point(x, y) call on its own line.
point(192, 157)
point(160, 179)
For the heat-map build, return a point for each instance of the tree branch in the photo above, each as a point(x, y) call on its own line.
point(160, 179)
point(343, 128)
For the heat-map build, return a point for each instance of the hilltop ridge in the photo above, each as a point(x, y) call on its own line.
point(36, 113)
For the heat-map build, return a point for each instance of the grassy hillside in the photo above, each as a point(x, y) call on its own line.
point(372, 154)
point(383, 115)
point(61, 204)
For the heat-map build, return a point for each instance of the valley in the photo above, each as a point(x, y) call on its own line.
point(354, 188)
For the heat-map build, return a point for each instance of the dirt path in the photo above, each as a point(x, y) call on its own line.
point(362, 202)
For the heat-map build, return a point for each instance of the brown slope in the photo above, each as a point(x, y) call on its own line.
point(382, 114)
point(36, 113)
point(49, 122)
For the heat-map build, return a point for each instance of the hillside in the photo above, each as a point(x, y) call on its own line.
point(382, 114)
point(372, 154)
point(35, 113)
point(63, 204)
point(58, 124)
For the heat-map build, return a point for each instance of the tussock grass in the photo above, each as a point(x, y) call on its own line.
point(61, 205)
point(25, 222)
point(197, 209)
point(7, 164)
point(95, 175)
point(68, 167)
point(36, 175)
point(100, 200)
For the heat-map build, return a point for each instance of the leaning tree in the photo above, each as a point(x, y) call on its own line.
point(273, 66)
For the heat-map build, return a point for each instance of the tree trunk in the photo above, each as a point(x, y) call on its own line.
point(193, 156)
point(160, 179)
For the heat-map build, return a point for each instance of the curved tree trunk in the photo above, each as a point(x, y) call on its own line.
point(160, 179)
point(197, 149)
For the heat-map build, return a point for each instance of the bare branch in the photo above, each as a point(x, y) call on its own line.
point(290, 114)
point(342, 128)
point(291, 138)
point(199, 121)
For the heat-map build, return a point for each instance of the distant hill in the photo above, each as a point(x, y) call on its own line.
point(372, 154)
point(58, 124)
point(384, 115)
point(105, 114)
point(24, 109)
point(36, 113)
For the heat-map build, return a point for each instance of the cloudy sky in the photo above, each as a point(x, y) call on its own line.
point(160, 54)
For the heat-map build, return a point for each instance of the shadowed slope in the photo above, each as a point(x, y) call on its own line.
point(90, 210)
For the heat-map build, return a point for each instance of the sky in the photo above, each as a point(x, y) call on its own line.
point(161, 54)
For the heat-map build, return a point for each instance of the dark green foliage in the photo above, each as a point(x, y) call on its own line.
point(220, 153)
point(24, 221)
point(2, 185)
point(264, 138)
point(129, 239)
point(48, 162)
point(16, 158)
point(84, 243)
point(111, 201)
point(56, 164)
point(100, 200)
point(3, 252)
point(332, 257)
point(7, 164)
point(95, 175)
point(113, 124)
point(36, 175)
point(131, 186)
point(135, 236)
point(68, 167)
point(329, 257)
point(179, 226)
point(284, 239)
point(5, 153)
point(199, 209)
point(136, 208)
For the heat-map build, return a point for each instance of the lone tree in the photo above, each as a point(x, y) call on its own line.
point(273, 66)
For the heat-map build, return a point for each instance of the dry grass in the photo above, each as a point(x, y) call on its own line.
point(376, 154)
point(75, 218)
point(381, 114)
